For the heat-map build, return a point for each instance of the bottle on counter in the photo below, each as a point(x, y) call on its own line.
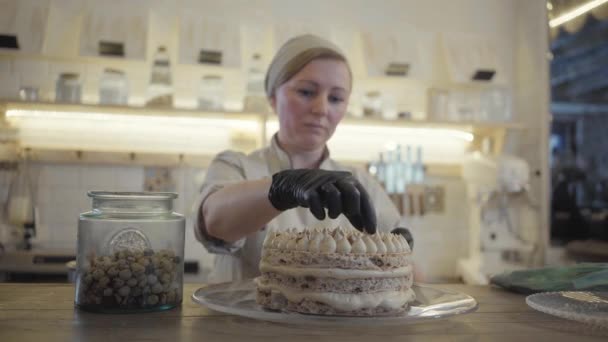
point(160, 89)
point(419, 174)
point(390, 172)
point(381, 169)
point(408, 165)
point(399, 171)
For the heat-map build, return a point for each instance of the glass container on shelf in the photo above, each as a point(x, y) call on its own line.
point(160, 88)
point(211, 93)
point(438, 104)
point(130, 254)
point(113, 87)
point(255, 77)
point(389, 108)
point(255, 97)
point(29, 94)
point(68, 88)
point(495, 105)
point(372, 103)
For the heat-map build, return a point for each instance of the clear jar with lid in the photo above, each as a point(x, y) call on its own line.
point(130, 253)
point(113, 87)
point(211, 93)
point(68, 88)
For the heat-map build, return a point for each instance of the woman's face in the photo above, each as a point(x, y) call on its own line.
point(311, 104)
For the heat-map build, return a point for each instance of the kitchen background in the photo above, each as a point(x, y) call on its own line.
point(414, 65)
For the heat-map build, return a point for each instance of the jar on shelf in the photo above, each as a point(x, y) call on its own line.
point(372, 103)
point(68, 88)
point(113, 87)
point(130, 254)
point(211, 93)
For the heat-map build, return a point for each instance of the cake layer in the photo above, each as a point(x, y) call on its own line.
point(338, 273)
point(378, 262)
point(361, 285)
point(338, 303)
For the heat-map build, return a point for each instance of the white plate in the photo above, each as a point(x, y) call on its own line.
point(583, 306)
point(239, 299)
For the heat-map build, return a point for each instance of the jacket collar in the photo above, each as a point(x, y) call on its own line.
point(281, 160)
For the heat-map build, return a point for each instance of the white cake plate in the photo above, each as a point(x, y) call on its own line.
point(239, 299)
point(583, 306)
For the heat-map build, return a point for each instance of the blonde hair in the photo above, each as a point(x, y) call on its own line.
point(295, 54)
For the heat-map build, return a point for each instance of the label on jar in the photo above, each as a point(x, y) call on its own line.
point(129, 238)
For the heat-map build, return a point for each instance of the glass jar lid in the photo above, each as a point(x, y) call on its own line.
point(132, 203)
point(155, 196)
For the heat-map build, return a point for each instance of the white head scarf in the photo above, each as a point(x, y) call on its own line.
point(292, 56)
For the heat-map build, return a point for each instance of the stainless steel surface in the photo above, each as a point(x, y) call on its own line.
point(37, 261)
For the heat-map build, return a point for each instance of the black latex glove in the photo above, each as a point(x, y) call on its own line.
point(337, 191)
point(406, 234)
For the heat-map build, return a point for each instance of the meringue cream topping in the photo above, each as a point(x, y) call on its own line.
point(340, 240)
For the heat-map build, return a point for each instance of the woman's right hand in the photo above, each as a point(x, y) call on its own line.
point(337, 191)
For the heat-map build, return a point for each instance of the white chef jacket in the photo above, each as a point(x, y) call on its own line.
point(240, 259)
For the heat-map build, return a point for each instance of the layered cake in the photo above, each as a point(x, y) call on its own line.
point(335, 272)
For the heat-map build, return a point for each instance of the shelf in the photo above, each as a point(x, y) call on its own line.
point(434, 124)
point(185, 112)
point(6, 105)
point(117, 62)
point(172, 136)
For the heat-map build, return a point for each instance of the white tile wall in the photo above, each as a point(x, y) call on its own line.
point(98, 177)
point(440, 239)
point(32, 73)
point(8, 80)
point(61, 195)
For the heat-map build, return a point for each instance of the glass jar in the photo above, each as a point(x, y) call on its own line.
point(372, 104)
point(130, 253)
point(68, 88)
point(113, 87)
point(211, 93)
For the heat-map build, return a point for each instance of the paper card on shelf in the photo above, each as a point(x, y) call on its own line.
point(63, 28)
point(209, 41)
point(386, 50)
point(466, 54)
point(115, 22)
point(27, 20)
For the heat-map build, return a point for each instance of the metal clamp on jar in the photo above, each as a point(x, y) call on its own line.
point(130, 253)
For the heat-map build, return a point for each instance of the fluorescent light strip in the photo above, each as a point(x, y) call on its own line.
point(16, 114)
point(576, 12)
point(418, 132)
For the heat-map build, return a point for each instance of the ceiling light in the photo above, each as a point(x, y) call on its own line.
point(576, 12)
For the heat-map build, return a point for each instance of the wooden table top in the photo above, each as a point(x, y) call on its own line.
point(45, 312)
